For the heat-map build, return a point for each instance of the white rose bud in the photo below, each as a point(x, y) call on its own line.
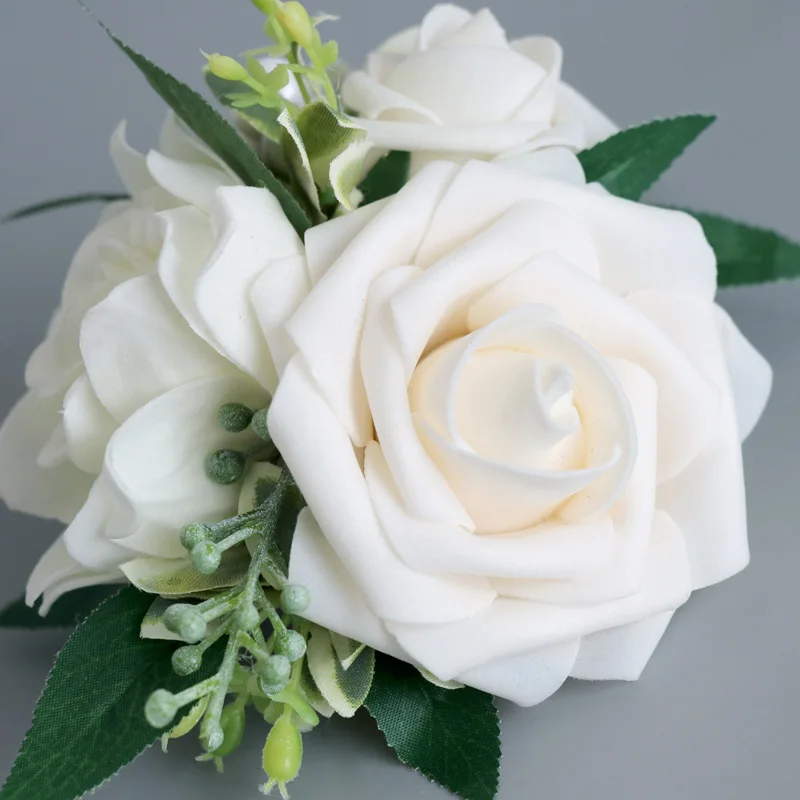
point(515, 412)
point(456, 88)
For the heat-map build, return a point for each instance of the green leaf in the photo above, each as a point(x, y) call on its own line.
point(177, 577)
point(215, 131)
point(344, 688)
point(450, 736)
point(66, 611)
point(63, 202)
point(387, 177)
point(747, 254)
point(631, 161)
point(89, 721)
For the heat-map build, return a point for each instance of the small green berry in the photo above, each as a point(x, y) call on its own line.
point(185, 621)
point(295, 599)
point(290, 644)
point(247, 617)
point(206, 557)
point(275, 673)
point(259, 424)
point(283, 751)
point(186, 660)
point(225, 466)
point(194, 533)
point(234, 417)
point(160, 708)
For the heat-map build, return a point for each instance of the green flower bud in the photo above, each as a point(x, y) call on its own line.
point(283, 752)
point(227, 68)
point(225, 466)
point(232, 722)
point(295, 599)
point(275, 673)
point(185, 621)
point(206, 557)
point(193, 534)
point(267, 6)
point(212, 737)
point(160, 708)
point(290, 644)
point(259, 424)
point(234, 417)
point(247, 617)
point(294, 19)
point(186, 660)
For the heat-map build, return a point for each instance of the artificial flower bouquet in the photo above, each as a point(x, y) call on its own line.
point(376, 388)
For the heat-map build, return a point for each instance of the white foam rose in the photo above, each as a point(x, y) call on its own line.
point(154, 333)
point(455, 87)
point(515, 412)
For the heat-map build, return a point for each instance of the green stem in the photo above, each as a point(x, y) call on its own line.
point(294, 58)
point(223, 677)
point(237, 538)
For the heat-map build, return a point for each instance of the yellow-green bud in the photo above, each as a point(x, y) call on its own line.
point(227, 68)
point(232, 721)
point(294, 19)
point(267, 6)
point(283, 752)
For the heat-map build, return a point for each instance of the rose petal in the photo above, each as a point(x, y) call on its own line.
point(512, 627)
point(620, 575)
point(276, 295)
point(179, 143)
point(707, 499)
point(372, 100)
point(461, 265)
point(547, 53)
point(136, 346)
point(130, 164)
point(336, 601)
point(326, 243)
point(551, 550)
point(526, 679)
point(638, 246)
point(620, 654)
point(443, 21)
point(572, 107)
point(425, 491)
point(334, 487)
point(327, 328)
point(689, 399)
point(55, 493)
point(750, 374)
point(558, 163)
point(252, 232)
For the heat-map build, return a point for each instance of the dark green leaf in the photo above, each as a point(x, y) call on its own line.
point(264, 120)
point(66, 611)
point(89, 721)
point(746, 254)
point(63, 202)
point(630, 162)
point(216, 132)
point(450, 736)
point(387, 177)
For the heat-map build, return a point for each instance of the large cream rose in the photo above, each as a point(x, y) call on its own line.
point(515, 412)
point(454, 87)
point(155, 332)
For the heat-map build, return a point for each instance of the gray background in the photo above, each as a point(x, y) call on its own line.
point(717, 713)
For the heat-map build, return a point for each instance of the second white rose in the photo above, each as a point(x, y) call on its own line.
point(515, 412)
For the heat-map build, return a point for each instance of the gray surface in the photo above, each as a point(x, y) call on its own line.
point(717, 713)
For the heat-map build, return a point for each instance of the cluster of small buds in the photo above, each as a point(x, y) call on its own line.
point(228, 466)
point(270, 676)
point(297, 40)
